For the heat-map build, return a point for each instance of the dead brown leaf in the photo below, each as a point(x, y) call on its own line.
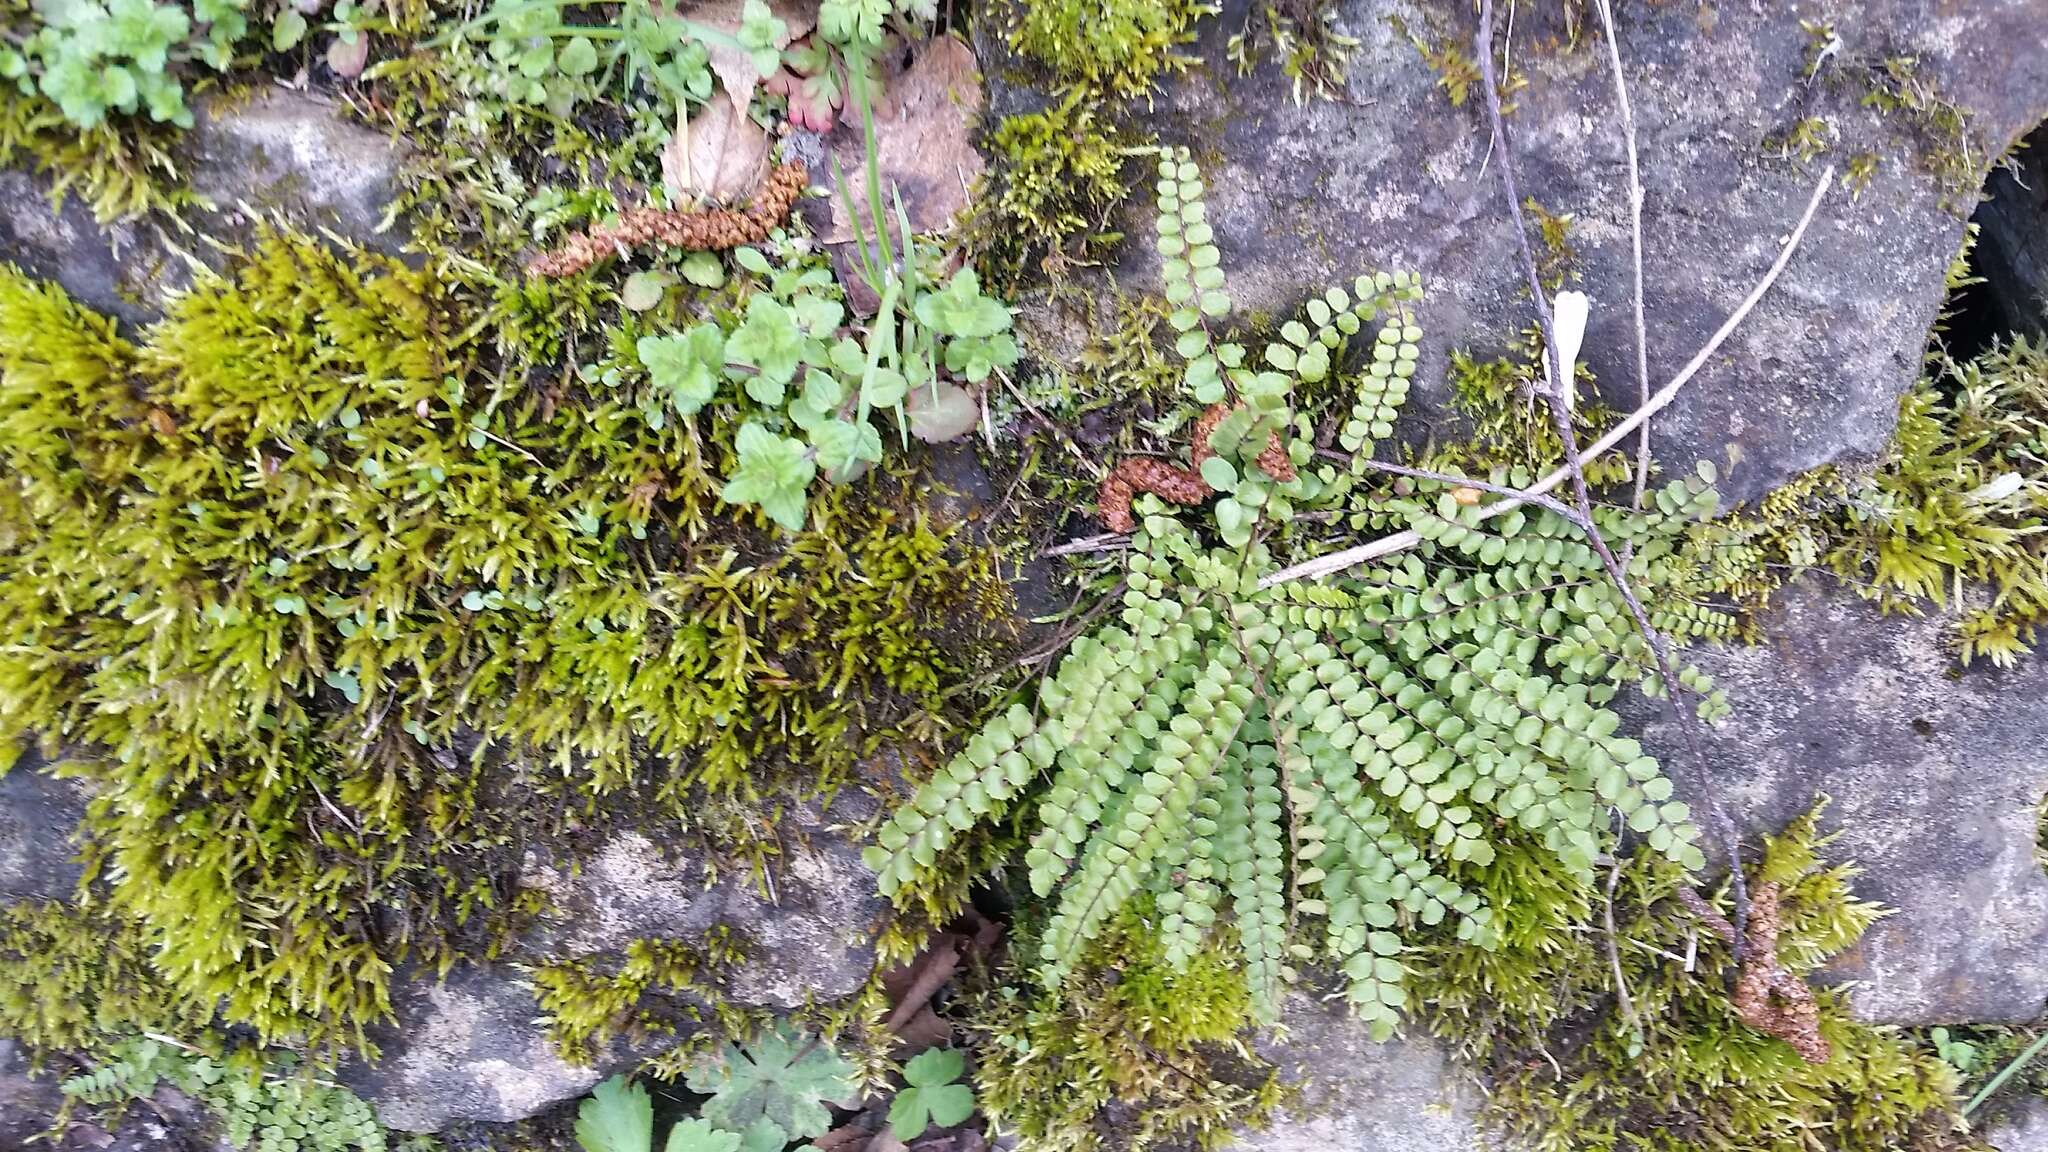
point(719, 156)
point(732, 67)
point(927, 1029)
point(922, 142)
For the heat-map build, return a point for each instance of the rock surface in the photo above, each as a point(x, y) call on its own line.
point(278, 154)
point(467, 1048)
point(2012, 246)
point(1936, 777)
point(2024, 1128)
point(37, 815)
point(1391, 176)
point(473, 1048)
point(1361, 1096)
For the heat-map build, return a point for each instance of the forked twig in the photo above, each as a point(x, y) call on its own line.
point(1351, 557)
point(1558, 374)
point(1635, 232)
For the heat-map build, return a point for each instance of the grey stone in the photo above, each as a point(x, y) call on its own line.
point(2023, 1128)
point(109, 268)
point(466, 1048)
point(809, 938)
point(282, 154)
point(1391, 176)
point(299, 155)
point(472, 1048)
point(1936, 777)
point(37, 815)
point(2012, 244)
point(1361, 1096)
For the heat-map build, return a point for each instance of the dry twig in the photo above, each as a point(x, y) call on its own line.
point(1561, 420)
point(1338, 561)
point(1635, 232)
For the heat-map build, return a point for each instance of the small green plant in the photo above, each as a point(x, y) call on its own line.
point(618, 1116)
point(806, 384)
point(774, 1089)
point(101, 58)
point(1327, 766)
point(542, 58)
point(931, 1094)
point(272, 1105)
point(1956, 1052)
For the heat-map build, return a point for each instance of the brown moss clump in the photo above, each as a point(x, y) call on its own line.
point(714, 229)
point(1172, 482)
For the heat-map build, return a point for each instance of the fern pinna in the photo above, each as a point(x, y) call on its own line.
point(1323, 770)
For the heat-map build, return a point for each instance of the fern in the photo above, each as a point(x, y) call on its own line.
point(273, 1108)
point(1321, 772)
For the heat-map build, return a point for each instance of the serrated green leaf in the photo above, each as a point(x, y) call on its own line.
point(617, 1116)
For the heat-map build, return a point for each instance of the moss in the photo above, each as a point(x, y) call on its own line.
point(119, 171)
point(587, 1003)
point(1120, 48)
point(1130, 1055)
point(1303, 38)
point(1950, 515)
point(71, 978)
point(1511, 430)
point(1558, 261)
point(1895, 86)
point(338, 613)
point(1571, 1072)
point(1056, 183)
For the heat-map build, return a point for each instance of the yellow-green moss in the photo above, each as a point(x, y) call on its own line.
point(1570, 1073)
point(587, 1002)
point(1055, 184)
point(1116, 47)
point(338, 613)
point(1130, 1055)
point(71, 978)
point(119, 171)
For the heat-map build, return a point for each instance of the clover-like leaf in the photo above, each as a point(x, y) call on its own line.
point(975, 357)
point(762, 34)
point(777, 1085)
point(959, 309)
point(932, 1096)
point(767, 341)
point(883, 387)
point(686, 366)
point(617, 1116)
point(846, 447)
point(774, 473)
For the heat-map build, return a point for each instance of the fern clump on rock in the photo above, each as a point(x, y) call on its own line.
point(1320, 772)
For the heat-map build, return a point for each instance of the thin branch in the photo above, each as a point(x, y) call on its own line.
point(1622, 998)
point(1547, 502)
point(1067, 442)
point(1106, 542)
point(1401, 541)
point(1561, 421)
point(1635, 231)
